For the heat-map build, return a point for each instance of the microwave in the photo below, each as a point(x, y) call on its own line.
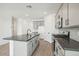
point(59, 22)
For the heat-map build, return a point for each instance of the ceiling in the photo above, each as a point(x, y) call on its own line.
point(20, 10)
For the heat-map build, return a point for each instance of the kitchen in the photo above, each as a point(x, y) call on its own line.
point(25, 26)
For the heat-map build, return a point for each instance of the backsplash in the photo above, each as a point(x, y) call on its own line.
point(74, 34)
point(63, 32)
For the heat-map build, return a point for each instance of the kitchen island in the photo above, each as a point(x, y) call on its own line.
point(23, 45)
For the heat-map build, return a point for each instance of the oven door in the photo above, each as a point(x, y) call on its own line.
point(59, 51)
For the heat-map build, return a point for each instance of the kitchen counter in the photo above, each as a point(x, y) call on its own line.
point(23, 45)
point(23, 38)
point(68, 45)
point(60, 36)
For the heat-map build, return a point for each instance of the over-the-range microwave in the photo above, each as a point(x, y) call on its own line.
point(59, 22)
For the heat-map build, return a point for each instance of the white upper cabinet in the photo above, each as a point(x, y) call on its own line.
point(69, 13)
point(74, 14)
point(59, 16)
point(65, 15)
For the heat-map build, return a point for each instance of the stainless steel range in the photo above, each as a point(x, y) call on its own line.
point(58, 49)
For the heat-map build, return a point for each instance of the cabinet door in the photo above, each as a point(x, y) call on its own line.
point(35, 42)
point(29, 48)
point(65, 15)
point(19, 48)
point(59, 18)
point(74, 14)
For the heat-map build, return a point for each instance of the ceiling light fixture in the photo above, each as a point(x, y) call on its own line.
point(28, 6)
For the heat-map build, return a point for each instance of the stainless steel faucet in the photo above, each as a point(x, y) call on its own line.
point(28, 31)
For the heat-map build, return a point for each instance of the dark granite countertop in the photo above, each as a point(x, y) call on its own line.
point(69, 44)
point(23, 38)
point(66, 42)
point(60, 36)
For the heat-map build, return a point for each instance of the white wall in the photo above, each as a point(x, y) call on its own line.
point(27, 25)
point(23, 25)
point(74, 34)
point(49, 28)
point(5, 28)
point(19, 26)
point(5, 25)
